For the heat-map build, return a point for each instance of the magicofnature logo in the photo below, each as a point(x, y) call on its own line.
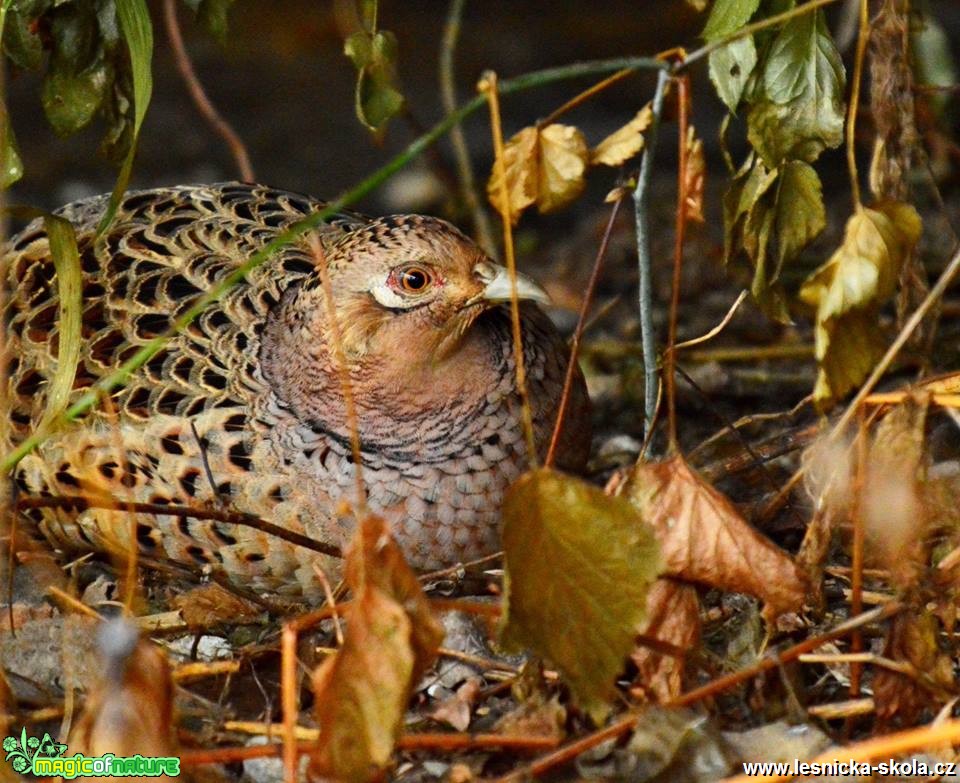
point(44, 757)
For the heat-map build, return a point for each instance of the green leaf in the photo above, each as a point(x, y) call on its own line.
point(746, 189)
point(138, 32)
point(933, 63)
point(728, 16)
point(376, 98)
point(802, 60)
point(801, 110)
point(212, 14)
point(66, 260)
point(580, 601)
point(21, 45)
point(800, 212)
point(71, 99)
point(730, 68)
point(11, 167)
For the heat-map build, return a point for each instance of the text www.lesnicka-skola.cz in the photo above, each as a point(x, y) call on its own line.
point(909, 768)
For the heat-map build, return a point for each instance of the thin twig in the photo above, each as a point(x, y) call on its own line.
point(346, 387)
point(882, 747)
point(207, 110)
point(448, 97)
point(290, 702)
point(584, 96)
point(578, 333)
point(644, 259)
point(862, 37)
point(81, 503)
point(488, 86)
point(683, 99)
point(716, 329)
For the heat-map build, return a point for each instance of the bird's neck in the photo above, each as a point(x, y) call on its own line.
point(399, 382)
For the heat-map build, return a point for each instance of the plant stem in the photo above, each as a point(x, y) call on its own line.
point(862, 37)
point(683, 98)
point(488, 87)
point(482, 229)
point(642, 218)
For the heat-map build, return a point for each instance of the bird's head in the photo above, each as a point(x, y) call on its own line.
point(414, 285)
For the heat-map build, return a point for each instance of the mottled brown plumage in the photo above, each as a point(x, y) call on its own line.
point(251, 387)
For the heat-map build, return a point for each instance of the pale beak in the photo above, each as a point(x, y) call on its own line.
point(497, 286)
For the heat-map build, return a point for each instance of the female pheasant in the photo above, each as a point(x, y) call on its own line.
point(246, 407)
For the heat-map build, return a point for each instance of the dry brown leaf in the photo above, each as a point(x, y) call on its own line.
point(695, 176)
point(624, 143)
point(563, 162)
point(211, 605)
point(673, 611)
point(455, 711)
point(391, 638)
point(891, 505)
point(520, 165)
point(131, 710)
point(545, 167)
point(913, 638)
point(704, 538)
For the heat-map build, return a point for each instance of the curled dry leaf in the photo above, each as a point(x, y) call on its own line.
point(695, 175)
point(210, 605)
point(704, 538)
point(578, 566)
point(624, 143)
point(363, 689)
point(848, 290)
point(673, 618)
point(131, 710)
point(544, 166)
point(913, 638)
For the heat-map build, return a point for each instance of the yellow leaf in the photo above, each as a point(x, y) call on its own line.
point(563, 161)
point(520, 165)
point(850, 287)
point(580, 601)
point(623, 144)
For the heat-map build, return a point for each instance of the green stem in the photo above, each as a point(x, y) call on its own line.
point(120, 376)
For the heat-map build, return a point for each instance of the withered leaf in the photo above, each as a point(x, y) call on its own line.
point(391, 638)
point(520, 166)
point(545, 167)
point(673, 617)
point(704, 538)
point(892, 508)
point(695, 175)
point(563, 162)
point(624, 143)
point(131, 710)
point(210, 605)
point(849, 288)
point(578, 566)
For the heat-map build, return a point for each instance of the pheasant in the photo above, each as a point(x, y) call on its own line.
point(246, 407)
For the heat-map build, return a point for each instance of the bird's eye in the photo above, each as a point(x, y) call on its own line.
point(414, 279)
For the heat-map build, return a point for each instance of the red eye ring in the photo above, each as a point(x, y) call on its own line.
point(414, 279)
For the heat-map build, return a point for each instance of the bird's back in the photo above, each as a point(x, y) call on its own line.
point(179, 431)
